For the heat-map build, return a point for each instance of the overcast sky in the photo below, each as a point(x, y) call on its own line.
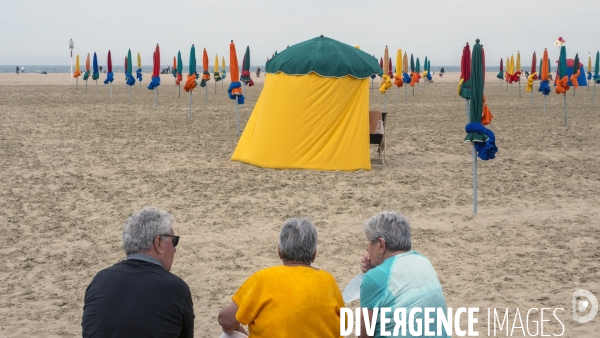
point(36, 32)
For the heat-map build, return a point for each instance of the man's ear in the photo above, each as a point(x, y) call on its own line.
point(158, 244)
point(279, 252)
point(314, 256)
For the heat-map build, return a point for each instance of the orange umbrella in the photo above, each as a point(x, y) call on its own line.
point(86, 75)
point(205, 73)
point(235, 88)
point(544, 86)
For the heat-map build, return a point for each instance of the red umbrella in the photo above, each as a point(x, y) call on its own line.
point(155, 73)
point(109, 63)
point(391, 70)
point(126, 64)
point(465, 64)
point(381, 63)
point(156, 70)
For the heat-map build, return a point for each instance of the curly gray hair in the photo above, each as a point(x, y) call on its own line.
point(298, 240)
point(143, 226)
point(393, 227)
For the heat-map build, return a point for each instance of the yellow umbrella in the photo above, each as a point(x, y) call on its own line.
point(223, 72)
point(77, 72)
point(398, 77)
point(216, 74)
point(386, 83)
point(139, 60)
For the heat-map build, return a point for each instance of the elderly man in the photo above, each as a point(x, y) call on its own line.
point(293, 300)
point(397, 277)
point(139, 297)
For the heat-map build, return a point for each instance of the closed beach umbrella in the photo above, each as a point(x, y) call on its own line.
point(191, 83)
point(129, 79)
point(532, 77)
point(96, 74)
point(77, 72)
point(501, 73)
point(518, 71)
point(405, 64)
point(406, 78)
point(429, 71)
point(205, 73)
point(596, 76)
point(235, 90)
point(398, 77)
point(86, 75)
point(465, 75)
point(562, 82)
point(174, 68)
point(589, 71)
point(138, 72)
point(413, 78)
point(544, 72)
point(518, 62)
point(391, 69)
point(381, 64)
point(179, 73)
point(482, 139)
point(125, 65)
point(576, 73)
point(386, 83)
point(216, 73)
point(109, 74)
point(418, 70)
point(223, 69)
point(246, 69)
point(155, 73)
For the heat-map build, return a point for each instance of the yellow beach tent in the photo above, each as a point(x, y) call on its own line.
point(313, 112)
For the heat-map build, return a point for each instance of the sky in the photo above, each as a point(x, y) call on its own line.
point(37, 32)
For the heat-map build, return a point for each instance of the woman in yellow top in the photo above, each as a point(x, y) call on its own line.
point(293, 300)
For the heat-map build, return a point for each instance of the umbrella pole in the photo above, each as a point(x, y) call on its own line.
point(397, 94)
point(474, 152)
point(206, 92)
point(130, 94)
point(237, 115)
point(545, 104)
point(467, 109)
point(190, 111)
point(215, 87)
point(519, 88)
point(573, 91)
point(77, 84)
point(594, 97)
point(406, 91)
point(179, 90)
point(86, 85)
point(413, 90)
point(111, 91)
point(565, 101)
point(531, 96)
point(384, 108)
point(371, 85)
point(154, 98)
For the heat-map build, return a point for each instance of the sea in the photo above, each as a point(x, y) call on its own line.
point(148, 68)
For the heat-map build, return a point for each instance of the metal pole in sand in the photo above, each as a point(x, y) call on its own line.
point(179, 90)
point(190, 111)
point(86, 85)
point(545, 104)
point(565, 101)
point(77, 84)
point(206, 91)
point(111, 91)
point(406, 91)
point(154, 98)
point(397, 94)
point(594, 97)
point(237, 115)
point(129, 94)
point(474, 153)
point(467, 110)
point(384, 108)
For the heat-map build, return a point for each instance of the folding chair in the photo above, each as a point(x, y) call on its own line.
point(379, 137)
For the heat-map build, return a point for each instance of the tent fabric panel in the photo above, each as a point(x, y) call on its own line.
point(308, 122)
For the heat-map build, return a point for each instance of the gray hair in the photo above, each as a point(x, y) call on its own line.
point(298, 240)
point(143, 226)
point(393, 227)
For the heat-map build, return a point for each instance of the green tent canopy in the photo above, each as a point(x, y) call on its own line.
point(325, 57)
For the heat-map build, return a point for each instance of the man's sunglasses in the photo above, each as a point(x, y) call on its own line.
point(175, 239)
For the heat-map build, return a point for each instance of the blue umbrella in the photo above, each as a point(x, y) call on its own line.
point(95, 75)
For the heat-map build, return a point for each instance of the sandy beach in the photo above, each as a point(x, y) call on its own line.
point(75, 165)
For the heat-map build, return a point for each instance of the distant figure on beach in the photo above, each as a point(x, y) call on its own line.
point(17, 69)
point(397, 277)
point(23, 69)
point(100, 69)
point(291, 300)
point(442, 71)
point(258, 72)
point(139, 297)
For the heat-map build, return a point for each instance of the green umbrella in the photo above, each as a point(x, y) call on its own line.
point(418, 66)
point(189, 86)
point(475, 110)
point(425, 64)
point(179, 70)
point(596, 75)
point(562, 72)
point(412, 64)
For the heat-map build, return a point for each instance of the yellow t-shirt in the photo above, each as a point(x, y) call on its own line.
point(290, 302)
